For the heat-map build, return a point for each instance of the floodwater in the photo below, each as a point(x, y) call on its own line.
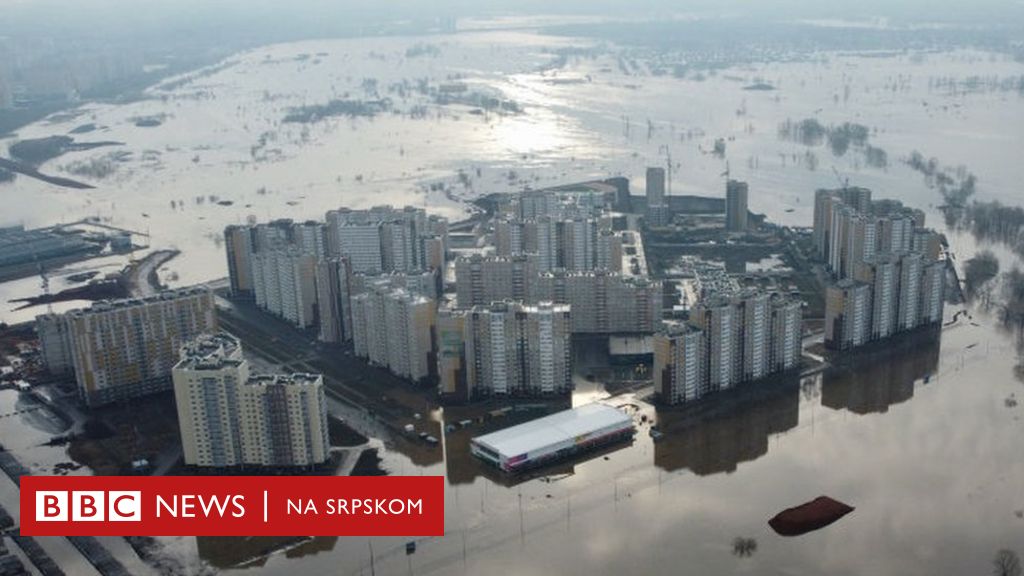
point(920, 440)
point(222, 153)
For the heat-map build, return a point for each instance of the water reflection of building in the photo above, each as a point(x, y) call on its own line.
point(226, 552)
point(872, 381)
point(711, 438)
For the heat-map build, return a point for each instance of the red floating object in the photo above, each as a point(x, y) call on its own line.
point(809, 516)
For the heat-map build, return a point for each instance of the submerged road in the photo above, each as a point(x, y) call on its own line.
point(27, 170)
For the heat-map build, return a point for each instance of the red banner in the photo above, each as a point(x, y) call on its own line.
point(232, 506)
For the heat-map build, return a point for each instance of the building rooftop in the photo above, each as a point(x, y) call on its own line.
point(552, 429)
point(108, 305)
point(210, 352)
point(297, 379)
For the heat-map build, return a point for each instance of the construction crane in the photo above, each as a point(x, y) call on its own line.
point(844, 183)
point(663, 149)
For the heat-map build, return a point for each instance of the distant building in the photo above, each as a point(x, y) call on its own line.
point(658, 213)
point(736, 206)
point(850, 228)
point(123, 349)
point(361, 244)
point(20, 247)
point(386, 239)
point(655, 184)
point(229, 418)
point(928, 243)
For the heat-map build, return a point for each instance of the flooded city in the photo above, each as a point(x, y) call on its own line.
point(919, 434)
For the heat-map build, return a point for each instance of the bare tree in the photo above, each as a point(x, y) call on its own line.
point(1006, 563)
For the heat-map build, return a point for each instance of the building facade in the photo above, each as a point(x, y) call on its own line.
point(124, 349)
point(506, 348)
point(395, 329)
point(728, 340)
point(481, 280)
point(603, 302)
point(679, 364)
point(285, 284)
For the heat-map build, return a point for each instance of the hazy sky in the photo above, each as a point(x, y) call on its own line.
point(249, 22)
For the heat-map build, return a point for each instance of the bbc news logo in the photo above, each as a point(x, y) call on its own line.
point(232, 506)
point(89, 506)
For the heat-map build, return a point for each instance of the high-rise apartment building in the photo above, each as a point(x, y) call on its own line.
point(609, 251)
point(333, 287)
point(238, 242)
point(847, 314)
point(481, 280)
point(285, 284)
point(311, 238)
point(452, 374)
point(123, 349)
point(736, 206)
point(395, 329)
point(575, 243)
point(933, 282)
point(729, 339)
point(228, 417)
point(513, 349)
point(386, 239)
point(679, 364)
point(881, 254)
point(786, 341)
point(859, 199)
point(55, 344)
point(658, 213)
point(909, 291)
point(754, 334)
point(717, 318)
point(905, 291)
point(603, 302)
point(882, 274)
